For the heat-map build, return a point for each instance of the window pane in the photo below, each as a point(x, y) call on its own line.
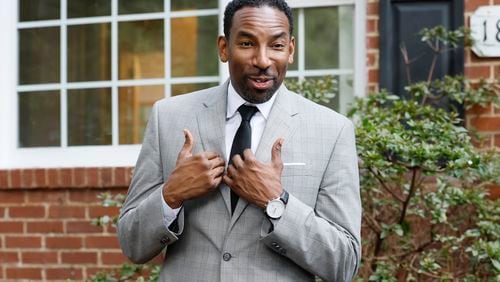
point(88, 8)
point(32, 10)
point(39, 55)
point(139, 6)
point(178, 89)
point(89, 52)
point(194, 48)
point(135, 104)
point(141, 49)
point(343, 89)
point(329, 33)
point(192, 4)
point(89, 116)
point(39, 116)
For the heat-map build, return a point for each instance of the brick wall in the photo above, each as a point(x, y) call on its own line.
point(45, 230)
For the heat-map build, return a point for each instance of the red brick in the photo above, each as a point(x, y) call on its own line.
point(27, 178)
point(41, 177)
point(85, 196)
point(92, 271)
point(487, 60)
point(8, 257)
point(100, 211)
point(39, 257)
point(372, 9)
point(16, 197)
point(121, 177)
point(67, 177)
point(491, 124)
point(478, 110)
point(494, 191)
point(371, 26)
point(496, 72)
point(2, 212)
point(497, 140)
point(47, 196)
point(129, 174)
point(11, 227)
point(101, 242)
point(63, 242)
point(372, 42)
point(14, 273)
point(113, 258)
point(27, 212)
point(4, 181)
point(23, 241)
point(371, 59)
point(82, 227)
point(80, 180)
point(15, 178)
point(66, 212)
point(45, 227)
point(64, 273)
point(477, 72)
point(92, 177)
point(373, 75)
point(53, 179)
point(79, 257)
point(472, 5)
point(107, 177)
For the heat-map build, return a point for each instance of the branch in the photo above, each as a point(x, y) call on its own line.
point(406, 203)
point(372, 223)
point(382, 183)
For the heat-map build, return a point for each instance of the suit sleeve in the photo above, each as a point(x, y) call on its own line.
point(325, 240)
point(142, 231)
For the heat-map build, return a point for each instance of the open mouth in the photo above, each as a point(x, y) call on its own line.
point(261, 83)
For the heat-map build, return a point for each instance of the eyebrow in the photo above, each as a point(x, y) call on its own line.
point(243, 33)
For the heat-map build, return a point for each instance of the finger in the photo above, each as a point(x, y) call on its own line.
point(237, 161)
point(217, 172)
point(248, 155)
point(229, 182)
point(276, 153)
point(211, 155)
point(231, 171)
point(218, 181)
point(217, 162)
point(187, 148)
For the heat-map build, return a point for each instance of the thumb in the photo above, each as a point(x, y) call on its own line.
point(187, 148)
point(276, 154)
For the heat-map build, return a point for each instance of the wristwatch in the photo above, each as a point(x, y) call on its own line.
point(276, 207)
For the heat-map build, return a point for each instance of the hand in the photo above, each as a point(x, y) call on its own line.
point(193, 176)
point(256, 182)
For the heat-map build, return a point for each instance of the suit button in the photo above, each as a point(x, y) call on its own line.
point(226, 256)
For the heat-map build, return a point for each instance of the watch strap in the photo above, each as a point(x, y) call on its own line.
point(284, 197)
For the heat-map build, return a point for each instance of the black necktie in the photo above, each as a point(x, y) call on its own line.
point(242, 140)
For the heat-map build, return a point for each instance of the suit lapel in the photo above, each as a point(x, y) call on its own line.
point(212, 127)
point(279, 124)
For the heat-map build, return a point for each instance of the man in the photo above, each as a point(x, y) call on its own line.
point(286, 208)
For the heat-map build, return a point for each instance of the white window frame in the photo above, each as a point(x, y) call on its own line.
point(11, 156)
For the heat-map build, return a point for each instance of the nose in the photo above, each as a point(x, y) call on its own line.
point(261, 59)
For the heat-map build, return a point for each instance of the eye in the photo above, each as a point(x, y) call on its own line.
point(278, 45)
point(246, 44)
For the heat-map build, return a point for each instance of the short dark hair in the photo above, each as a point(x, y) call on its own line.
point(235, 5)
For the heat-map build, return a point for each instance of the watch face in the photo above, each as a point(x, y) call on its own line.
point(275, 209)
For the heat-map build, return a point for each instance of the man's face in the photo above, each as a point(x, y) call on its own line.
point(258, 51)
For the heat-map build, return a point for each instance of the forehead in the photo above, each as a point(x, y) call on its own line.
point(259, 19)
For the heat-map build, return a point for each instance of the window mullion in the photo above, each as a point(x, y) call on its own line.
point(167, 49)
point(63, 74)
point(114, 74)
point(301, 44)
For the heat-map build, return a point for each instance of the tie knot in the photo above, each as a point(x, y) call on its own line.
point(247, 112)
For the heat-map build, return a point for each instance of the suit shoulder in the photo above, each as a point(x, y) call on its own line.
point(319, 113)
point(185, 102)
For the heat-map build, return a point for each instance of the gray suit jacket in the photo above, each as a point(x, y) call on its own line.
point(319, 233)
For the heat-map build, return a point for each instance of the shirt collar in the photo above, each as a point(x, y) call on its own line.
point(234, 101)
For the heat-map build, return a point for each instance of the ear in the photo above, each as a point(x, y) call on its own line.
point(291, 50)
point(222, 45)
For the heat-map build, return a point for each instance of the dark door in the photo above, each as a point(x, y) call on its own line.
point(400, 23)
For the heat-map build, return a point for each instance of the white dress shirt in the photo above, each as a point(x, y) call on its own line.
point(233, 121)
